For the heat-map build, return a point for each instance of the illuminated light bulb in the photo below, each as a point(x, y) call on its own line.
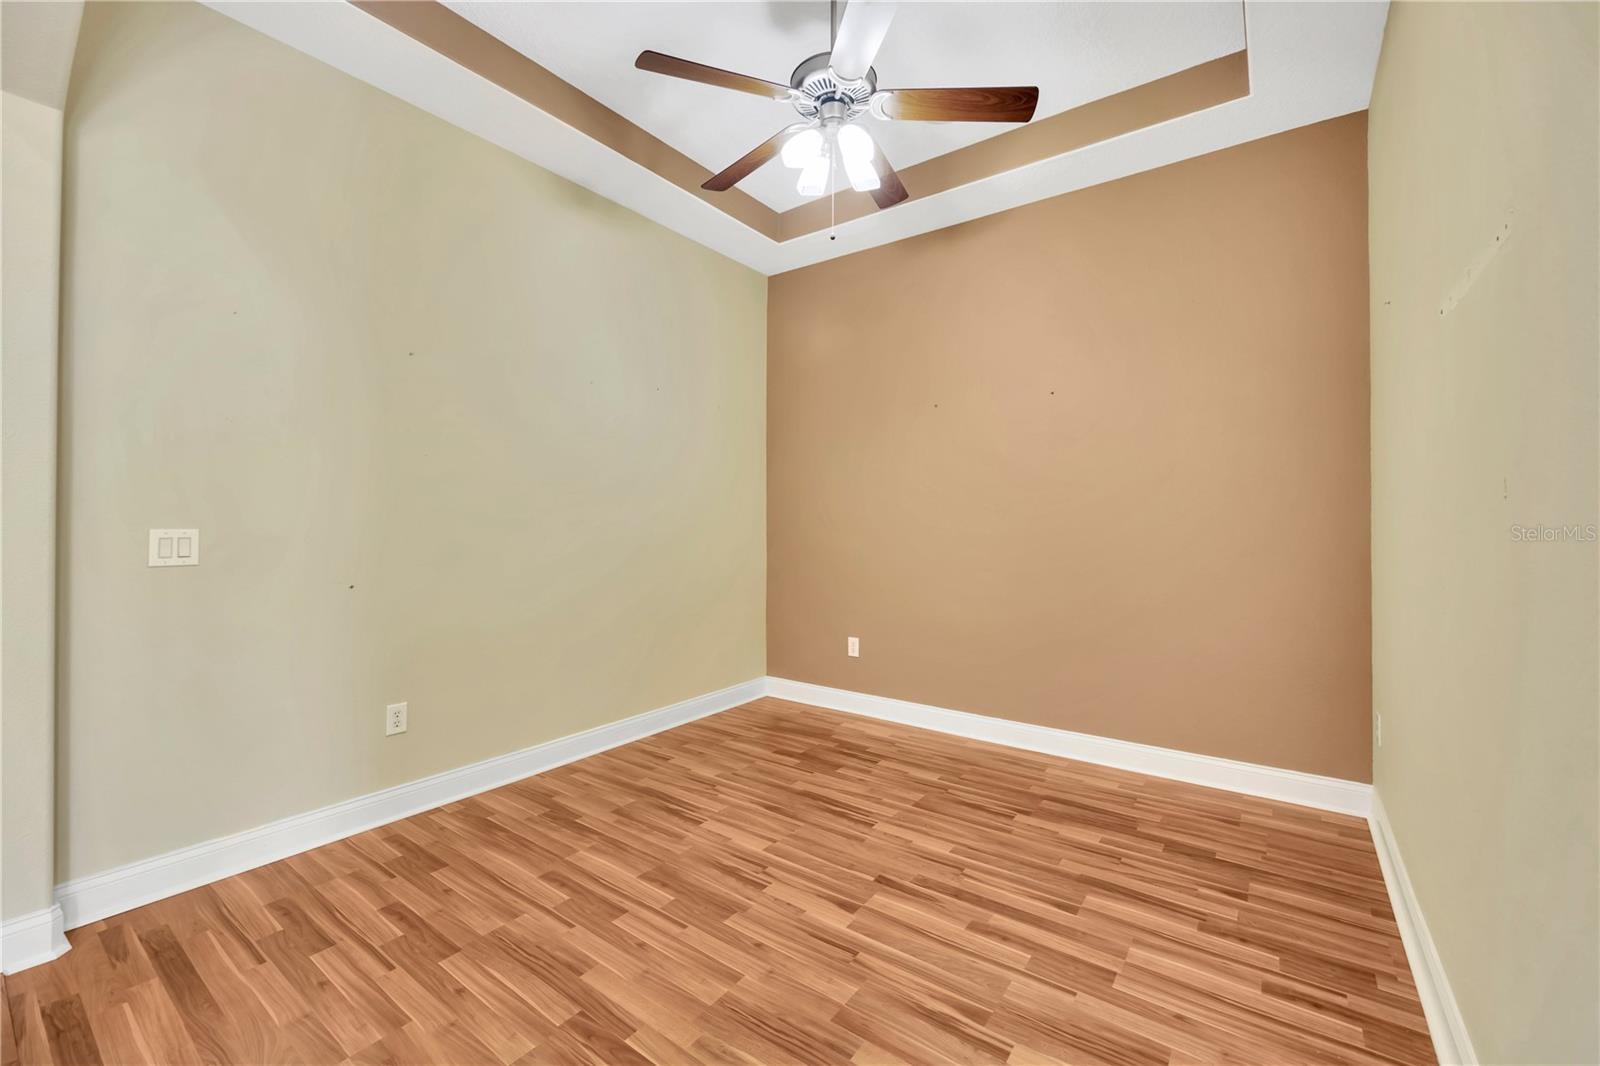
point(855, 146)
point(802, 148)
point(855, 143)
point(814, 178)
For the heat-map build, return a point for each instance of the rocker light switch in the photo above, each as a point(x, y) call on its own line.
point(174, 547)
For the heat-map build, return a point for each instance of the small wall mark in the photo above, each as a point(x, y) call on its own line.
point(1478, 265)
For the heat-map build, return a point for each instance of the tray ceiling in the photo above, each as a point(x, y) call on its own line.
point(1074, 53)
point(1124, 87)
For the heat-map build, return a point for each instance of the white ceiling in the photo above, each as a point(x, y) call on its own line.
point(1074, 53)
point(1308, 62)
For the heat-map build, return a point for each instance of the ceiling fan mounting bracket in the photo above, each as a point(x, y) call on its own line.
point(815, 84)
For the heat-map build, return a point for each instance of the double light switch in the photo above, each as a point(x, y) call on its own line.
point(174, 547)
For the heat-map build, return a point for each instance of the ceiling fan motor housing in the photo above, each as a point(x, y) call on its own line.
point(816, 86)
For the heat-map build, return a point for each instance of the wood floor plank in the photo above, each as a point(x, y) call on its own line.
point(27, 1026)
point(117, 1033)
point(8, 1040)
point(776, 885)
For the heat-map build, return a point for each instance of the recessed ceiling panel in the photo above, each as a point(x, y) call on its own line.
point(1074, 53)
point(1128, 88)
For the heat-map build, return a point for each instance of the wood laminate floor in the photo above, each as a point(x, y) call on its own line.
point(775, 884)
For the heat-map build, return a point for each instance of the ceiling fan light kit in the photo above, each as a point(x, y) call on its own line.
point(832, 91)
point(812, 152)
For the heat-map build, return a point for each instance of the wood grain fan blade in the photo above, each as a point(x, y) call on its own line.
point(673, 67)
point(891, 190)
point(751, 161)
point(1012, 103)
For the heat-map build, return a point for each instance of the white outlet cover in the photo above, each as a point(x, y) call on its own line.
point(852, 647)
point(174, 547)
point(394, 719)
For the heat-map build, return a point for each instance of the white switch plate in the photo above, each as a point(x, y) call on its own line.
point(394, 719)
point(174, 547)
point(852, 647)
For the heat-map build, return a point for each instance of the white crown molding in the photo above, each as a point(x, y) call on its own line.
point(32, 939)
point(1451, 1042)
point(88, 899)
point(1290, 786)
point(1308, 62)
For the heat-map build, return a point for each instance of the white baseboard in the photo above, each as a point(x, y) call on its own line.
point(88, 899)
point(1290, 786)
point(32, 939)
point(1445, 1024)
point(39, 937)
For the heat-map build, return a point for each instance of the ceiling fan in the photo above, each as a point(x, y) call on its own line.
point(832, 90)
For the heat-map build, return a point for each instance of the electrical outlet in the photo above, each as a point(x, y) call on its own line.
point(394, 719)
point(1377, 728)
point(852, 647)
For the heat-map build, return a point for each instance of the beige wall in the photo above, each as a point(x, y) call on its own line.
point(30, 247)
point(454, 431)
point(1484, 184)
point(1098, 463)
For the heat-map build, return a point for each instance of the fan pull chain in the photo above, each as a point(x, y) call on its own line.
point(833, 188)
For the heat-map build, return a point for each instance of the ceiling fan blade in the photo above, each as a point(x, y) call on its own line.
point(752, 160)
point(1008, 103)
point(891, 190)
point(861, 31)
point(672, 66)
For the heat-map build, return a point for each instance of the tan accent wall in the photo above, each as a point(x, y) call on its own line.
point(454, 431)
point(1097, 463)
point(1485, 177)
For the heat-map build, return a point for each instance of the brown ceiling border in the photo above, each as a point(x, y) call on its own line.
point(1186, 92)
